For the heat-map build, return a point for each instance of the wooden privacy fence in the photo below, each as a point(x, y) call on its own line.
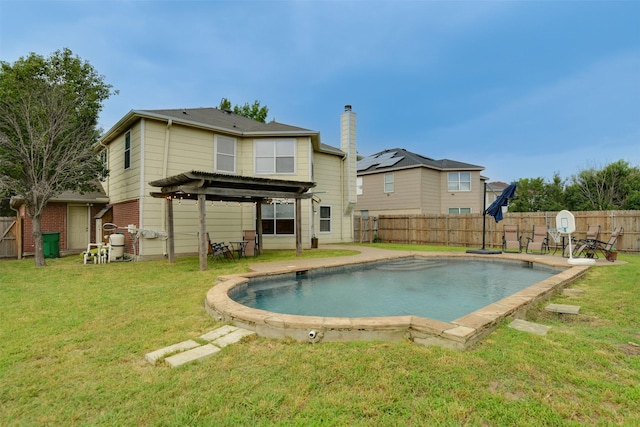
point(10, 237)
point(466, 229)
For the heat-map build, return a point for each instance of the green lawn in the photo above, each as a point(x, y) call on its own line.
point(73, 339)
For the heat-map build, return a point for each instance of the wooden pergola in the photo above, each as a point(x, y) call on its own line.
point(203, 187)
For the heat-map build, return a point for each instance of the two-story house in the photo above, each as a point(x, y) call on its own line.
point(165, 146)
point(397, 181)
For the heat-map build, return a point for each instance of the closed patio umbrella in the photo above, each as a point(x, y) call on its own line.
point(495, 209)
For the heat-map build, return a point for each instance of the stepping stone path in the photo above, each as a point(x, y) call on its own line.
point(563, 308)
point(190, 350)
point(573, 292)
point(533, 328)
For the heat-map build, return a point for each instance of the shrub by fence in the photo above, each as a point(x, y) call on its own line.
point(466, 229)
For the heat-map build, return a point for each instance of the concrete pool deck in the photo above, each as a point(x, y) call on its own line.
point(458, 334)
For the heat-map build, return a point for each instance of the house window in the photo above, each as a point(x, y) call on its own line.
point(127, 150)
point(278, 218)
point(388, 183)
point(459, 210)
point(325, 219)
point(359, 186)
point(459, 181)
point(225, 157)
point(275, 156)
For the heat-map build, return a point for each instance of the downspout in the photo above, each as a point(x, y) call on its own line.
point(165, 166)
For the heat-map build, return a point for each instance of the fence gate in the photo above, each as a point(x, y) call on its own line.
point(10, 237)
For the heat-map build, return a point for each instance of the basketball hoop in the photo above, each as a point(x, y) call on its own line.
point(555, 234)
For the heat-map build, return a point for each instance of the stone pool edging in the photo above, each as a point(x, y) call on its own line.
point(457, 334)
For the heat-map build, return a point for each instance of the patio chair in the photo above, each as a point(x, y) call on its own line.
point(218, 250)
point(593, 233)
point(538, 241)
point(511, 239)
point(591, 248)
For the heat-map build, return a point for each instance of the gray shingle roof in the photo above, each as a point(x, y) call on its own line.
point(224, 119)
point(399, 158)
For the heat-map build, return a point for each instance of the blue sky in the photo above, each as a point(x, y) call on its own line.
point(523, 88)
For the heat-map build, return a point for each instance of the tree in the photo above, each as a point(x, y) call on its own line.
point(616, 186)
point(253, 111)
point(48, 128)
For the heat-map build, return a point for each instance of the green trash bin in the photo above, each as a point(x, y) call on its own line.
point(51, 243)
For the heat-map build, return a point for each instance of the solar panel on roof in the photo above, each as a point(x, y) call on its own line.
point(366, 163)
point(390, 162)
point(384, 156)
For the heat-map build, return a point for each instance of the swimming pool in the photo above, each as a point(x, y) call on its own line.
point(423, 329)
point(441, 289)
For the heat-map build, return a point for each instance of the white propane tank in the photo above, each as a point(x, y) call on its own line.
point(116, 241)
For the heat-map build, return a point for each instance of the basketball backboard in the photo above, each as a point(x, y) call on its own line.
point(565, 222)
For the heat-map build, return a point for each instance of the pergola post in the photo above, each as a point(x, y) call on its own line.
point(202, 235)
point(170, 235)
point(259, 225)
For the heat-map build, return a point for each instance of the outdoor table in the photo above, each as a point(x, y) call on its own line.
point(239, 246)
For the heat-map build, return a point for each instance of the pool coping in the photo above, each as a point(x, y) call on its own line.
point(457, 334)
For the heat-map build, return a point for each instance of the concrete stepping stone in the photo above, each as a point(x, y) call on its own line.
point(532, 328)
point(563, 308)
point(217, 333)
point(154, 356)
point(192, 355)
point(233, 337)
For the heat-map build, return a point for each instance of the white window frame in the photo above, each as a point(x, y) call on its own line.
point(389, 183)
point(216, 142)
point(127, 150)
point(455, 181)
point(359, 187)
point(323, 218)
point(266, 158)
point(456, 211)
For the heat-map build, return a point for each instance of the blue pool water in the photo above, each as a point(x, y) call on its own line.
point(441, 289)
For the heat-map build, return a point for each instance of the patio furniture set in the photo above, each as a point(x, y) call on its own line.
point(590, 247)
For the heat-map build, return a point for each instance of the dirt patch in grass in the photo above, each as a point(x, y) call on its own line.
point(630, 349)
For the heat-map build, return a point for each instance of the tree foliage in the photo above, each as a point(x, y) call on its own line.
point(253, 111)
point(615, 186)
point(48, 128)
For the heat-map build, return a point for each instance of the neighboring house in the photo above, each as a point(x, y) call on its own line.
point(397, 181)
point(160, 145)
point(77, 217)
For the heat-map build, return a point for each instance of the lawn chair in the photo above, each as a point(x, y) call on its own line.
point(591, 248)
point(593, 233)
point(511, 240)
point(538, 241)
point(218, 250)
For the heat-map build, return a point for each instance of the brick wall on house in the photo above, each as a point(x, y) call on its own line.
point(54, 219)
point(126, 213)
